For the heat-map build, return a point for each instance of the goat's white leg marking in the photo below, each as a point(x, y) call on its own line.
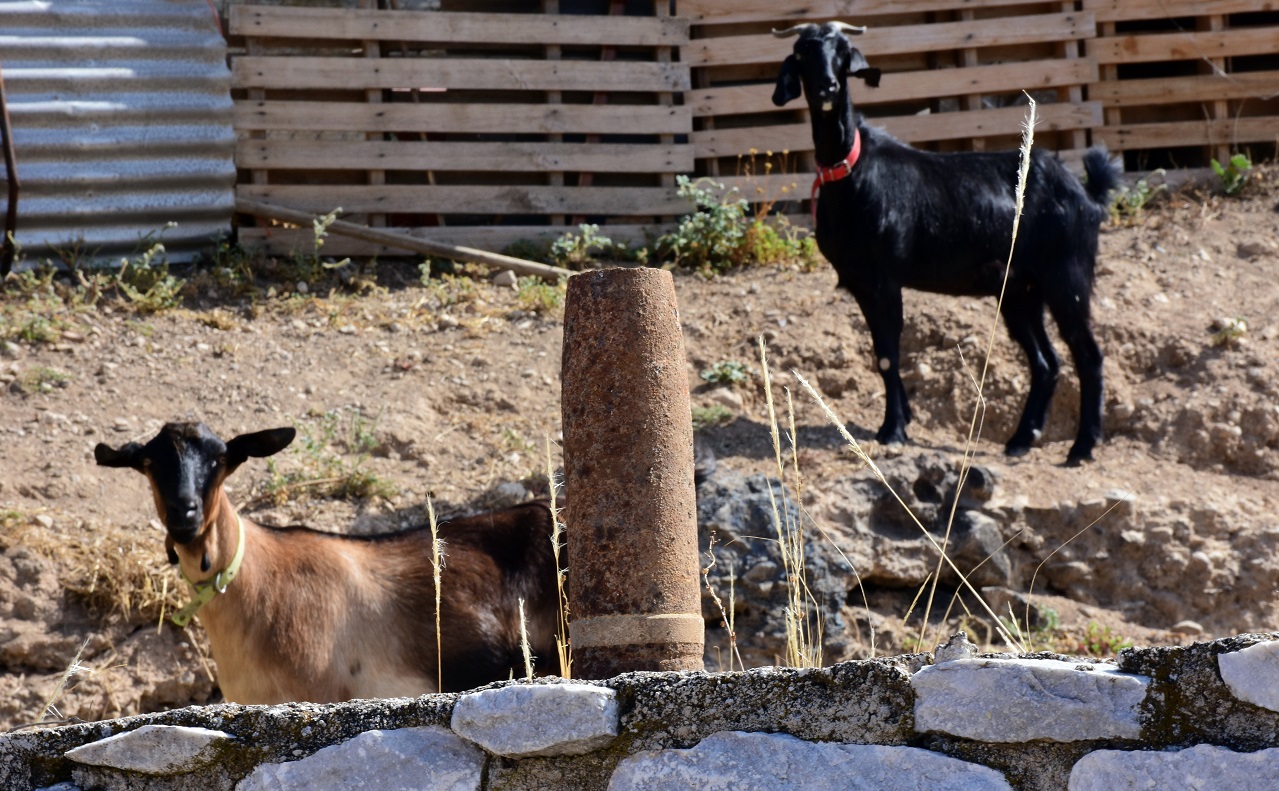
point(884, 364)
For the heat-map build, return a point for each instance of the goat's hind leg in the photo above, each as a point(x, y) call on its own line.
point(883, 312)
point(1024, 316)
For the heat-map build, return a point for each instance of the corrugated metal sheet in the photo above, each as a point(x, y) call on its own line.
point(122, 123)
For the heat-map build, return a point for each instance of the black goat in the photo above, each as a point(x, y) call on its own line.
point(891, 216)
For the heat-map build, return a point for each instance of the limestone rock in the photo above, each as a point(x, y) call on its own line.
point(1253, 674)
point(957, 647)
point(1021, 700)
point(154, 749)
point(738, 511)
point(406, 759)
point(779, 762)
point(514, 721)
point(1201, 766)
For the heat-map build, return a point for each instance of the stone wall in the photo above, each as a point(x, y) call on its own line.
point(1201, 716)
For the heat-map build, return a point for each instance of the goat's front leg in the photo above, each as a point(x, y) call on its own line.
point(1024, 315)
point(883, 311)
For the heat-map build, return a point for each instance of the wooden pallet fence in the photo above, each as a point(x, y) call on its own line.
point(422, 120)
point(954, 76)
point(1183, 82)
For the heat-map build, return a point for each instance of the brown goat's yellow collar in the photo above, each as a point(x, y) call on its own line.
point(840, 170)
point(203, 592)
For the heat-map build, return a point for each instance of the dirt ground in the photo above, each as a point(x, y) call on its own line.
point(452, 390)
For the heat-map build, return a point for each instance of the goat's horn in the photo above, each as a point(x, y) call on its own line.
point(847, 28)
point(793, 31)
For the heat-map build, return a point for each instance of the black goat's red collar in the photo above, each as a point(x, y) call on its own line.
point(840, 170)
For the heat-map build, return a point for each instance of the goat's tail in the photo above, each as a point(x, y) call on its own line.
point(1102, 173)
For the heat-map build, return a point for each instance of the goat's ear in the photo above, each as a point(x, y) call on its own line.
point(787, 82)
point(258, 444)
point(858, 67)
point(129, 455)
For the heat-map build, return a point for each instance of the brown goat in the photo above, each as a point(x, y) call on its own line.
point(311, 616)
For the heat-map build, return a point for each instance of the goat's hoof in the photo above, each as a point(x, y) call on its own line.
point(891, 436)
point(1078, 459)
point(1014, 450)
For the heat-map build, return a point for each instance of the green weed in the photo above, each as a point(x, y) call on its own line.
point(1129, 202)
point(713, 415)
point(39, 379)
point(331, 456)
point(1234, 174)
point(1229, 332)
point(535, 295)
point(727, 372)
point(573, 250)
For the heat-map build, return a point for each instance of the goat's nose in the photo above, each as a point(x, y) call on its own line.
point(188, 506)
point(832, 86)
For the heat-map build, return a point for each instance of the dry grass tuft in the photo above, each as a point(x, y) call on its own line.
point(114, 571)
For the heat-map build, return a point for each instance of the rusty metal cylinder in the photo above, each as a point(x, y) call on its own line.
point(628, 466)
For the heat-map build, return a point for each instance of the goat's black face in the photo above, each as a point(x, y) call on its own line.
point(821, 63)
point(186, 464)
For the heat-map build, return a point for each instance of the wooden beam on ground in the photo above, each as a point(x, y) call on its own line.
point(403, 241)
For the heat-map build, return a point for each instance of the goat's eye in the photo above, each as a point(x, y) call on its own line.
point(213, 465)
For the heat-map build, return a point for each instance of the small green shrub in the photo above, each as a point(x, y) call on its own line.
point(710, 237)
point(40, 379)
point(573, 250)
point(723, 234)
point(148, 285)
point(1234, 174)
point(1229, 332)
point(729, 372)
point(1129, 202)
point(331, 455)
point(535, 295)
point(713, 415)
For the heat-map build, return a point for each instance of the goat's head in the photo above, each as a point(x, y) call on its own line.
point(821, 62)
point(186, 464)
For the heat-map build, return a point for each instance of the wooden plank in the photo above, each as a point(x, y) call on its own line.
point(911, 129)
point(1126, 10)
point(905, 39)
point(554, 178)
point(285, 241)
point(1149, 47)
point(464, 118)
point(502, 199)
point(499, 74)
point(910, 86)
point(463, 28)
point(412, 155)
point(1219, 131)
point(715, 12)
